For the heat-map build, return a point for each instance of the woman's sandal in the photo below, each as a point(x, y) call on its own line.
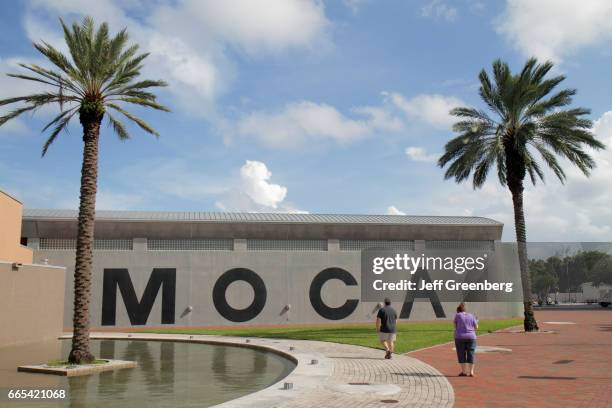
point(471, 375)
point(463, 375)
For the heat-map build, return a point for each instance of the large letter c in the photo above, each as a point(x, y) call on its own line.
point(332, 313)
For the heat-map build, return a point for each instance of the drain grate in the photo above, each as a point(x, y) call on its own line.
point(563, 362)
point(359, 383)
point(389, 401)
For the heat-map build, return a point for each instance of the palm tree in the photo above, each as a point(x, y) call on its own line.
point(527, 120)
point(100, 77)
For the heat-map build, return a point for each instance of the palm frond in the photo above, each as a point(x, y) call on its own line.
point(143, 125)
point(145, 102)
point(57, 58)
point(118, 127)
point(61, 125)
point(526, 111)
point(98, 71)
point(13, 114)
point(60, 117)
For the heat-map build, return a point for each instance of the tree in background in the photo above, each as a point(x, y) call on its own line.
point(570, 272)
point(601, 272)
point(526, 117)
point(591, 266)
point(543, 277)
point(97, 80)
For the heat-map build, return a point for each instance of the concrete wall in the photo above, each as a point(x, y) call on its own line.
point(10, 234)
point(32, 302)
point(287, 275)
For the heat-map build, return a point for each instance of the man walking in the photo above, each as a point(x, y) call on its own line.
point(385, 326)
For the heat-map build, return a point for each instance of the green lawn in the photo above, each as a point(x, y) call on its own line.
point(410, 336)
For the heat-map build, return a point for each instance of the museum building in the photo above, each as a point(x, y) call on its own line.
point(215, 269)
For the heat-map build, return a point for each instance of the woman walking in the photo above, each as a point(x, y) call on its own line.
point(465, 340)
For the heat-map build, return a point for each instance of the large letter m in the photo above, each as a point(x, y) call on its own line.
point(138, 311)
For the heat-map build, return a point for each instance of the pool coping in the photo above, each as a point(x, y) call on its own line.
point(306, 377)
point(68, 370)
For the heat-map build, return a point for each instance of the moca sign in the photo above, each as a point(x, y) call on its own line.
point(117, 281)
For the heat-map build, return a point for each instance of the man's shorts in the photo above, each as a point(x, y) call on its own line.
point(386, 336)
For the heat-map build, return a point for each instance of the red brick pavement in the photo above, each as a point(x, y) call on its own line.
point(534, 375)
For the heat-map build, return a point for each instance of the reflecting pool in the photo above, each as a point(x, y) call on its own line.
point(168, 374)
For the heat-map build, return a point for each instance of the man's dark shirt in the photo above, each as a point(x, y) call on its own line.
point(387, 316)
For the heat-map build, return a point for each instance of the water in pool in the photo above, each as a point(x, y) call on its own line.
point(168, 374)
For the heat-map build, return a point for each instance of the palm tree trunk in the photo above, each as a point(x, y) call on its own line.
point(530, 322)
point(80, 353)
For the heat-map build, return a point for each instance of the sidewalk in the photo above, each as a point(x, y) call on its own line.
point(571, 367)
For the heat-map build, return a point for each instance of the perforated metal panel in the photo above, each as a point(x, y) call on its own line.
point(476, 245)
point(360, 244)
point(55, 244)
point(190, 244)
point(60, 244)
point(287, 245)
point(113, 245)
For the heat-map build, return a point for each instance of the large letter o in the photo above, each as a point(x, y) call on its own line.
point(332, 313)
point(220, 301)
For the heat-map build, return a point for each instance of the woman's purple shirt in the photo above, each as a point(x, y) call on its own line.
point(465, 326)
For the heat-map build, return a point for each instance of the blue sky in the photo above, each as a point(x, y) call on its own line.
point(325, 107)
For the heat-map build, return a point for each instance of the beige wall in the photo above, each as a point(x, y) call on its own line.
point(32, 302)
point(10, 231)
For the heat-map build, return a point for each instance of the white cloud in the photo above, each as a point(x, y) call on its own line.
point(190, 40)
point(303, 120)
point(432, 109)
point(265, 25)
point(553, 29)
point(255, 192)
point(380, 118)
point(191, 72)
point(421, 155)
point(256, 183)
point(392, 210)
point(439, 9)
point(247, 189)
point(155, 182)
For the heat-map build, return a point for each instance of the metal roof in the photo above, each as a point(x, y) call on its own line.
point(265, 218)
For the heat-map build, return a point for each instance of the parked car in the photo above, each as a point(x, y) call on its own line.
point(606, 299)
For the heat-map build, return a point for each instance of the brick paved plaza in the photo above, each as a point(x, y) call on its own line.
point(571, 367)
